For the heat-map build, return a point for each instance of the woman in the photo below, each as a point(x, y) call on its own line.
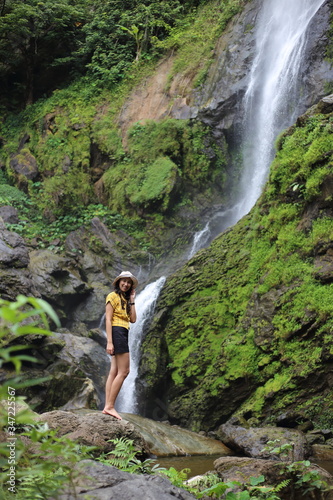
point(119, 312)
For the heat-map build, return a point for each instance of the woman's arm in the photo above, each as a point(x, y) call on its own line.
point(132, 305)
point(108, 328)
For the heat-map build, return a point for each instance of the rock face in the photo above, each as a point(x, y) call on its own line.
point(238, 330)
point(78, 368)
point(102, 482)
point(13, 251)
point(75, 283)
point(218, 103)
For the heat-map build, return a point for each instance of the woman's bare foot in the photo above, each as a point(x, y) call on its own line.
point(112, 413)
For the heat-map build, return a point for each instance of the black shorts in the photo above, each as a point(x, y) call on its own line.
point(120, 339)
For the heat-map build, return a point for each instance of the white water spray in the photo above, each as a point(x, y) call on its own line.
point(211, 229)
point(271, 100)
point(145, 304)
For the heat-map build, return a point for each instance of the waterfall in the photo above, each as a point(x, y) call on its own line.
point(145, 304)
point(271, 100)
point(270, 104)
point(213, 227)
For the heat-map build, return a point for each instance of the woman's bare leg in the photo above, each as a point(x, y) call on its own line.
point(118, 372)
point(111, 377)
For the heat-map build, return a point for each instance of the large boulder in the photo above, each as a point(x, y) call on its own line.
point(93, 428)
point(150, 437)
point(102, 482)
point(252, 441)
point(167, 440)
point(242, 469)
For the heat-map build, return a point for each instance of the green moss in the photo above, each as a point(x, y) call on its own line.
point(194, 39)
point(319, 409)
point(162, 158)
point(249, 321)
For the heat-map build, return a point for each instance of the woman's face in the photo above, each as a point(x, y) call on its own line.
point(125, 284)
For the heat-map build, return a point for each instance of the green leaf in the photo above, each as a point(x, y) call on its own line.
point(254, 481)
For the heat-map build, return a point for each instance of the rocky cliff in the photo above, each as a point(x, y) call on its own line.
point(244, 326)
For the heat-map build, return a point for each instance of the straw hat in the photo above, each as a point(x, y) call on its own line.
point(127, 274)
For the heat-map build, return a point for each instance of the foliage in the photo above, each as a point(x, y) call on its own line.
point(11, 195)
point(162, 156)
point(17, 319)
point(39, 36)
point(194, 39)
point(122, 454)
point(254, 490)
point(80, 36)
point(42, 474)
point(38, 473)
point(64, 130)
point(124, 457)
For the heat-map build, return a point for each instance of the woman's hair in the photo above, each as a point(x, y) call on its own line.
point(121, 295)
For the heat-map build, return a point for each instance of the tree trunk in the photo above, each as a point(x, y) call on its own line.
point(29, 73)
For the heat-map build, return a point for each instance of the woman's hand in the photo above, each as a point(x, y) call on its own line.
point(132, 296)
point(110, 348)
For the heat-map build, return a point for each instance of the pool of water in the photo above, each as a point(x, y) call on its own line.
point(197, 464)
point(201, 464)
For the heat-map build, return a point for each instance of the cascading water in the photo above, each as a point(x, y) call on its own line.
point(270, 105)
point(145, 304)
point(271, 100)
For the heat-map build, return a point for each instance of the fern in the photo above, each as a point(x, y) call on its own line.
point(123, 453)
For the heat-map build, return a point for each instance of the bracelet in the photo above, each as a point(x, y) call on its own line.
point(132, 303)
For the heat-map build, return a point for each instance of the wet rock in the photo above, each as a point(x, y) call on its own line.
point(150, 437)
point(166, 440)
point(322, 452)
point(103, 482)
point(218, 102)
point(326, 104)
point(252, 441)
